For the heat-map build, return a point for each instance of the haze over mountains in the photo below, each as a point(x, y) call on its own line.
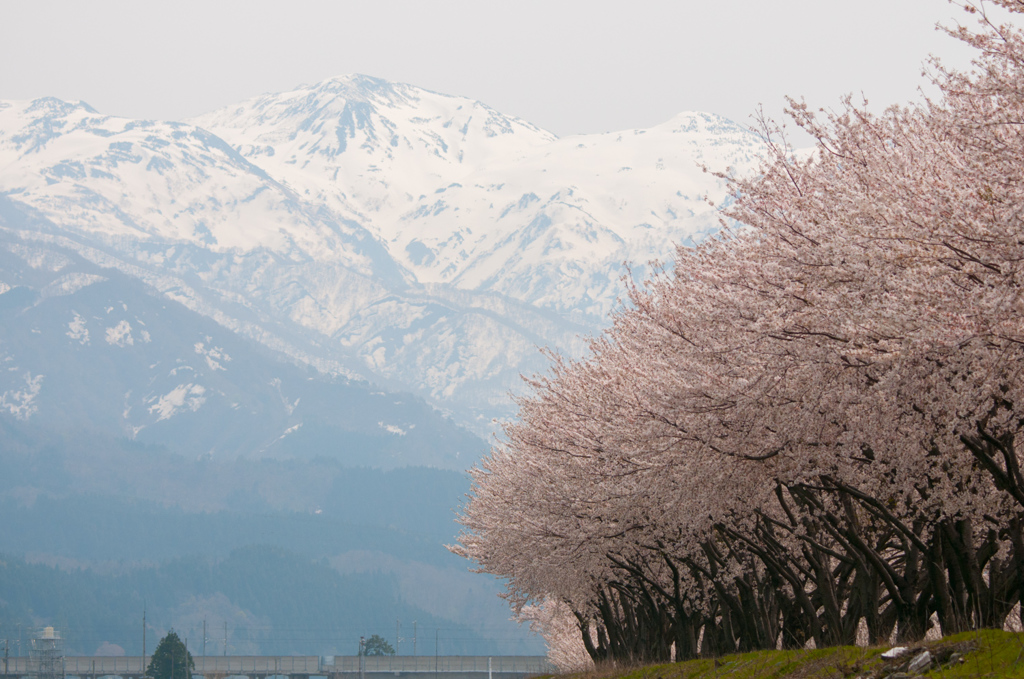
point(287, 325)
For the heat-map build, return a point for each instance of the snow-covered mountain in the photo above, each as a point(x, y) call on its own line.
point(370, 229)
point(463, 196)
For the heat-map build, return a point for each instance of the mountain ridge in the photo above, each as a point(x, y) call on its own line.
point(371, 229)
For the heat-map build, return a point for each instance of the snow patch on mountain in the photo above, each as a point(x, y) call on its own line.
point(289, 430)
point(288, 404)
point(77, 329)
point(120, 335)
point(21, 403)
point(70, 284)
point(212, 354)
point(184, 397)
point(392, 429)
point(39, 258)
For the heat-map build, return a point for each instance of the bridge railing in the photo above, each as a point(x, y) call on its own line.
point(101, 665)
point(446, 663)
point(98, 666)
point(257, 664)
point(16, 665)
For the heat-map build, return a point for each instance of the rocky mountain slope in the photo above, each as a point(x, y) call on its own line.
point(87, 349)
point(369, 229)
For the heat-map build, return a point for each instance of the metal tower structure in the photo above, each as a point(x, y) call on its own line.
point(47, 659)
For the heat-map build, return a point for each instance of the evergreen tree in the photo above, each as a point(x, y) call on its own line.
point(171, 660)
point(377, 645)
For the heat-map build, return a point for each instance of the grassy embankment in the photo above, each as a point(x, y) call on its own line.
point(988, 653)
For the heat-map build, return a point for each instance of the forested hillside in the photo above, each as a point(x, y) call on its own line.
point(273, 602)
point(297, 556)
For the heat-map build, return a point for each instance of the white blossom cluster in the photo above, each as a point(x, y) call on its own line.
point(808, 426)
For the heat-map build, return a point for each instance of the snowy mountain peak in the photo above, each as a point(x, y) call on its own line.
point(386, 121)
point(449, 185)
point(57, 107)
point(422, 240)
point(699, 122)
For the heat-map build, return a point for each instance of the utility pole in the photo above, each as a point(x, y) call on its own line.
point(204, 638)
point(362, 658)
point(6, 655)
point(398, 639)
point(143, 640)
point(437, 633)
point(225, 637)
point(414, 638)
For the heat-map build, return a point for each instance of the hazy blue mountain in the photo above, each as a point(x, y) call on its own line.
point(273, 602)
point(107, 523)
point(135, 432)
point(90, 348)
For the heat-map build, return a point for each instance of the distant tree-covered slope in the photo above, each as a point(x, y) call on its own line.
point(273, 602)
point(126, 522)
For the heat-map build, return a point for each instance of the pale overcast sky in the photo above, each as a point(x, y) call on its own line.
point(569, 67)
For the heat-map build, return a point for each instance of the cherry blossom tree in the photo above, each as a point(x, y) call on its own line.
point(808, 423)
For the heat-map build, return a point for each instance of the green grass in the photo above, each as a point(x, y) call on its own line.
point(988, 653)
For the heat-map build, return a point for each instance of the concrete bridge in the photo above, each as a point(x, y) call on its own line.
point(306, 666)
